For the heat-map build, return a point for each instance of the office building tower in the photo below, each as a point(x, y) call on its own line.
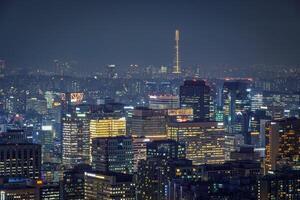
point(236, 106)
point(18, 192)
point(108, 186)
point(232, 143)
point(256, 102)
point(256, 121)
point(51, 172)
point(154, 176)
point(165, 149)
point(148, 123)
point(139, 147)
point(45, 138)
point(262, 133)
point(73, 182)
point(49, 192)
point(163, 101)
point(280, 104)
point(204, 141)
point(113, 154)
point(195, 94)
point(76, 140)
point(282, 185)
point(282, 144)
point(14, 136)
point(180, 115)
point(107, 127)
point(231, 180)
point(20, 160)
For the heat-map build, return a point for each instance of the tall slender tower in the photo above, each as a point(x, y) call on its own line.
point(177, 65)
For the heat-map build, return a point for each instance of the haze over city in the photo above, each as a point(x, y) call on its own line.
point(96, 33)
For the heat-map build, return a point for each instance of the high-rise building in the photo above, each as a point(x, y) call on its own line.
point(165, 149)
point(73, 182)
point(50, 192)
point(139, 147)
point(280, 104)
point(107, 127)
point(14, 136)
point(108, 186)
point(113, 154)
point(204, 141)
point(256, 121)
point(180, 115)
point(282, 144)
point(236, 106)
point(195, 94)
point(75, 140)
point(148, 122)
point(231, 180)
point(282, 185)
point(163, 101)
point(45, 138)
point(154, 176)
point(18, 192)
point(256, 102)
point(232, 143)
point(20, 160)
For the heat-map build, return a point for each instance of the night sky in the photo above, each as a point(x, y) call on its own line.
point(98, 32)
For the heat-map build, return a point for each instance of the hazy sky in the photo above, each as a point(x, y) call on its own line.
point(99, 32)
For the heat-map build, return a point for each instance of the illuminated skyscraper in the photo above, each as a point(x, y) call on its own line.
point(76, 140)
point(196, 94)
point(18, 192)
point(280, 104)
point(163, 101)
point(148, 122)
point(180, 115)
point(20, 160)
point(165, 149)
point(282, 144)
point(113, 154)
point(73, 182)
point(282, 185)
point(236, 107)
point(256, 102)
point(107, 127)
point(139, 146)
point(108, 186)
point(155, 175)
point(204, 141)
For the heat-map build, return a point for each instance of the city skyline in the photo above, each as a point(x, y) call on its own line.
point(149, 100)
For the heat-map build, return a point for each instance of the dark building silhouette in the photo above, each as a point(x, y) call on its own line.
point(196, 94)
